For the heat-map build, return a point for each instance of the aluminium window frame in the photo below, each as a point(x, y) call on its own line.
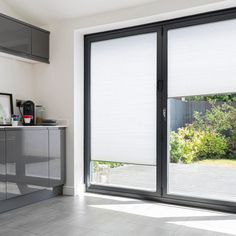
point(89, 39)
point(161, 195)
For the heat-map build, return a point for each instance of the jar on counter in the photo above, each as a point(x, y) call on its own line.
point(39, 114)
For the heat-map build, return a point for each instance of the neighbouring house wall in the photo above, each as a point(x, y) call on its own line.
point(59, 86)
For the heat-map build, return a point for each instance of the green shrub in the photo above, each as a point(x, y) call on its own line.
point(189, 144)
point(217, 119)
point(213, 146)
point(176, 148)
point(221, 119)
point(213, 98)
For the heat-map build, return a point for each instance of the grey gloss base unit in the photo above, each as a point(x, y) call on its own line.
point(30, 198)
point(32, 164)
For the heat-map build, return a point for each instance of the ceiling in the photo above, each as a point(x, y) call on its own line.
point(44, 12)
point(50, 11)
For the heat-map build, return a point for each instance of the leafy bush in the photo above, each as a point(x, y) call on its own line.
point(176, 147)
point(189, 140)
point(217, 119)
point(189, 145)
point(210, 98)
point(212, 146)
point(210, 136)
point(220, 119)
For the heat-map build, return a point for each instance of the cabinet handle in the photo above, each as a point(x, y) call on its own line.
point(11, 139)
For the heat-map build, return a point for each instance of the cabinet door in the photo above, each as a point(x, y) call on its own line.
point(40, 43)
point(2, 167)
point(57, 157)
point(14, 36)
point(27, 161)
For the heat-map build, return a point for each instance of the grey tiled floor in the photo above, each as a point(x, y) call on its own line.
point(96, 215)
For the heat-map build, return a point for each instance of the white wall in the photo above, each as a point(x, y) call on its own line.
point(54, 88)
point(60, 85)
point(16, 76)
point(5, 9)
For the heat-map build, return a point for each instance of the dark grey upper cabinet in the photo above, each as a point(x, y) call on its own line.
point(15, 36)
point(23, 40)
point(40, 43)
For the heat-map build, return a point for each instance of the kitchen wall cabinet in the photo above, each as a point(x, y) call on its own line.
point(40, 44)
point(15, 36)
point(23, 40)
point(34, 160)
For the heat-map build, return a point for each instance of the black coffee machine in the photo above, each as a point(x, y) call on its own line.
point(29, 109)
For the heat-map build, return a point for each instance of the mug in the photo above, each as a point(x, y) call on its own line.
point(27, 119)
point(15, 123)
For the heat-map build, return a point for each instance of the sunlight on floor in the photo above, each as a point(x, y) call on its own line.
point(108, 197)
point(157, 210)
point(174, 215)
point(226, 226)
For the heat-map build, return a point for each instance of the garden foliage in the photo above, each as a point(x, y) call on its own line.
point(210, 136)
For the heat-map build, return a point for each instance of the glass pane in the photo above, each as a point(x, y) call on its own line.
point(202, 111)
point(124, 175)
point(123, 107)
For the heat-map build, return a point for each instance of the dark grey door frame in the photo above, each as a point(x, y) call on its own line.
point(162, 95)
point(89, 39)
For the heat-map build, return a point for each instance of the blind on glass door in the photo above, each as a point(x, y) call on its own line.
point(123, 99)
point(202, 59)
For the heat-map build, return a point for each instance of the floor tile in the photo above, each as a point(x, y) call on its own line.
point(99, 215)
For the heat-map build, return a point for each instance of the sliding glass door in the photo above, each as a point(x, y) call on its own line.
point(160, 111)
point(123, 108)
point(202, 111)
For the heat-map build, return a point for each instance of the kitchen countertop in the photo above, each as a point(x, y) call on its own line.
point(32, 127)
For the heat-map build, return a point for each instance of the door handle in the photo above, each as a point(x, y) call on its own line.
point(164, 113)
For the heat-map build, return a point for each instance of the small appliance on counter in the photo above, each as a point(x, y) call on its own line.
point(28, 113)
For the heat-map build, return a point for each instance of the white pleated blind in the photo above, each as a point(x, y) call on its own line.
point(202, 59)
point(123, 99)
